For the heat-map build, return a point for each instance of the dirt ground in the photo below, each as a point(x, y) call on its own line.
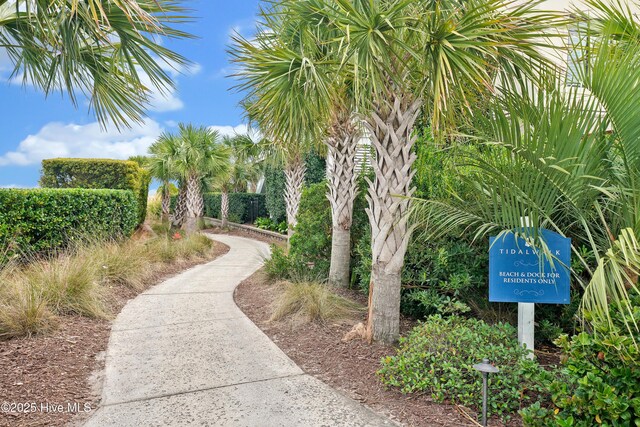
point(54, 380)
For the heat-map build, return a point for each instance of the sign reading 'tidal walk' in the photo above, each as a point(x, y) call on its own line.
point(515, 274)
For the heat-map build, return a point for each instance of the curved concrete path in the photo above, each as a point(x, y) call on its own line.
point(183, 353)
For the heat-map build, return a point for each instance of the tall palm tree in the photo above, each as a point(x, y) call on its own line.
point(242, 170)
point(200, 155)
point(570, 161)
point(100, 48)
point(283, 93)
point(162, 156)
point(411, 57)
point(291, 79)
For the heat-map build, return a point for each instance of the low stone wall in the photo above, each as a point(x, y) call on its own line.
point(254, 230)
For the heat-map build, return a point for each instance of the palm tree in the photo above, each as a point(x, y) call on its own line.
point(99, 48)
point(160, 163)
point(289, 75)
point(570, 161)
point(284, 93)
point(241, 171)
point(411, 57)
point(199, 156)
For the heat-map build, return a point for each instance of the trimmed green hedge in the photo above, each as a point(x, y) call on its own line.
point(241, 208)
point(42, 220)
point(99, 173)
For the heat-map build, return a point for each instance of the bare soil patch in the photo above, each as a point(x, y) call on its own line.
point(349, 367)
point(54, 380)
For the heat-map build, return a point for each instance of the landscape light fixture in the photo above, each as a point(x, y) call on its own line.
point(486, 368)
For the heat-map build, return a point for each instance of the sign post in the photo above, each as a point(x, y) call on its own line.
point(516, 275)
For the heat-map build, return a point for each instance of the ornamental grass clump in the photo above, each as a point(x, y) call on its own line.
point(81, 281)
point(124, 264)
point(23, 309)
point(70, 284)
point(305, 302)
point(438, 355)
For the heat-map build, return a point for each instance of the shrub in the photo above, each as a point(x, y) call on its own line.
point(316, 168)
point(312, 302)
point(99, 174)
point(311, 241)
point(267, 224)
point(43, 220)
point(438, 355)
point(243, 207)
point(599, 383)
point(443, 276)
point(277, 266)
point(274, 187)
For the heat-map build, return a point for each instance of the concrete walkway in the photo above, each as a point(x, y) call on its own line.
point(183, 353)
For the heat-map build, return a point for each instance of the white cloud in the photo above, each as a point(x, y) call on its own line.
point(230, 130)
point(71, 140)
point(14, 186)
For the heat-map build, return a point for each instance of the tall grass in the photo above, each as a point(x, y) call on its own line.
point(82, 281)
point(305, 302)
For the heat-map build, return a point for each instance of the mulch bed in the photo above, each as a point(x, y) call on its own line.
point(55, 379)
point(346, 366)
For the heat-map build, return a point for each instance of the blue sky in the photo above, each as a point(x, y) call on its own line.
point(33, 127)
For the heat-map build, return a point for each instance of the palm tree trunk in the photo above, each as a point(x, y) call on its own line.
point(342, 193)
point(181, 205)
point(391, 126)
point(166, 201)
point(224, 208)
point(194, 204)
point(294, 176)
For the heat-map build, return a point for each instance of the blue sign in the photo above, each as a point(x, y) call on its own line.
point(515, 274)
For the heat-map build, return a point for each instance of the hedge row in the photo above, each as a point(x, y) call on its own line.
point(243, 207)
point(43, 220)
point(99, 173)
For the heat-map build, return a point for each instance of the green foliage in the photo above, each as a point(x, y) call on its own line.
point(316, 168)
point(310, 245)
point(243, 207)
point(600, 379)
point(441, 276)
point(311, 241)
point(278, 265)
point(99, 173)
point(267, 224)
point(43, 220)
point(437, 357)
point(274, 193)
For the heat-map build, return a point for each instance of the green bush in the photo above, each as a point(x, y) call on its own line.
point(599, 383)
point(243, 207)
point(274, 186)
point(311, 241)
point(43, 220)
point(99, 174)
point(444, 276)
point(277, 266)
point(438, 355)
point(316, 168)
point(266, 223)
